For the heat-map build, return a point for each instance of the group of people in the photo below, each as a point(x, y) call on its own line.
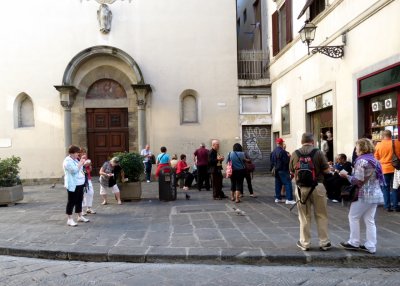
point(368, 175)
point(372, 174)
point(78, 182)
point(207, 169)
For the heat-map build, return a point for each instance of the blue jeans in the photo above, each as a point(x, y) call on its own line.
point(147, 166)
point(393, 199)
point(387, 193)
point(282, 178)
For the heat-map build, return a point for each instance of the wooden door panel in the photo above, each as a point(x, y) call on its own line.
point(101, 141)
point(117, 139)
point(98, 161)
point(107, 134)
point(101, 121)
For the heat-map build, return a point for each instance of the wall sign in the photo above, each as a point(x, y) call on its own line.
point(320, 101)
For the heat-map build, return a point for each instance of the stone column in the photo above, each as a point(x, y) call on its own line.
point(141, 91)
point(67, 99)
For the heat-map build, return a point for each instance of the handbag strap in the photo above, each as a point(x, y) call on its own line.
point(240, 160)
point(161, 158)
point(394, 150)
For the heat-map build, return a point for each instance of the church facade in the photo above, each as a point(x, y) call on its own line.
point(113, 76)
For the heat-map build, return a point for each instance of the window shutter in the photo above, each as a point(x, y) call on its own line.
point(275, 33)
point(289, 34)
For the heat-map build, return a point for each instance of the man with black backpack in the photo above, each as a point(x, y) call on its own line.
point(308, 165)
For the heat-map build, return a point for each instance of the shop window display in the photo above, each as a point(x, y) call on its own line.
point(384, 115)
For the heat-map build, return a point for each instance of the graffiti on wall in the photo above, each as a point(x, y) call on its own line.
point(257, 143)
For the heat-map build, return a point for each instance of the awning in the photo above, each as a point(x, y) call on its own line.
point(308, 4)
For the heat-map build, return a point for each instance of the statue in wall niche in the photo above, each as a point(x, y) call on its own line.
point(105, 1)
point(104, 16)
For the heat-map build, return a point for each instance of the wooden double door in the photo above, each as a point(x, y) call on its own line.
point(107, 133)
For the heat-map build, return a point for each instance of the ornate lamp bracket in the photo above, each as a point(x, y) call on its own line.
point(335, 52)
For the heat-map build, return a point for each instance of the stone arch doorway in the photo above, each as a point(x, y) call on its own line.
point(95, 68)
point(107, 128)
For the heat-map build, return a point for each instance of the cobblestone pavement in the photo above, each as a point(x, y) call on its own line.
point(195, 230)
point(27, 271)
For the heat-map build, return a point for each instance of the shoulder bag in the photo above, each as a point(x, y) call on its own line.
point(395, 159)
point(349, 193)
point(229, 167)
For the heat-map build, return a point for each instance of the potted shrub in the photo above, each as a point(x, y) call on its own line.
point(10, 185)
point(132, 164)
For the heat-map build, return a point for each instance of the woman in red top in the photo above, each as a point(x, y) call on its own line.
point(182, 169)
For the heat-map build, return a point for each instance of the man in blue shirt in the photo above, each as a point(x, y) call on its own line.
point(280, 161)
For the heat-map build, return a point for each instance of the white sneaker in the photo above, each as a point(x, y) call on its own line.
point(335, 201)
point(279, 201)
point(83, 219)
point(148, 181)
point(71, 222)
point(90, 211)
point(290, 202)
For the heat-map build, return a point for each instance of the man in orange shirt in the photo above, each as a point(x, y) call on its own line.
point(384, 153)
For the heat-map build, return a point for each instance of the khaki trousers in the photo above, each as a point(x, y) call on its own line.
point(317, 201)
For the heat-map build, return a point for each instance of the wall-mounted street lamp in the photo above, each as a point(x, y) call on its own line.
point(307, 35)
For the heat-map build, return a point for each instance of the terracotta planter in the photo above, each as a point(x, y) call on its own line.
point(130, 191)
point(10, 195)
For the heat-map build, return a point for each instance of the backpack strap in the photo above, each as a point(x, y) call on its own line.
point(312, 153)
point(300, 201)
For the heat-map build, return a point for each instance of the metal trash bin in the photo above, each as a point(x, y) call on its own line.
point(167, 184)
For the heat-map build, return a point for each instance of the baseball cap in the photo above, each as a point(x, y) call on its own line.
point(279, 141)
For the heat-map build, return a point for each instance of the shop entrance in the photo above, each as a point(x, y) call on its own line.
point(321, 122)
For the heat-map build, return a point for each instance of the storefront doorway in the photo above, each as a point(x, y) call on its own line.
point(320, 120)
point(321, 123)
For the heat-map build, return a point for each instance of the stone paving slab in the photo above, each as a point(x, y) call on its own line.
point(199, 230)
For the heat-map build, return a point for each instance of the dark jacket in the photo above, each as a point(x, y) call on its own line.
point(213, 162)
point(280, 159)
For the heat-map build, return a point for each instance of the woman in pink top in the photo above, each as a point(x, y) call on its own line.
point(88, 195)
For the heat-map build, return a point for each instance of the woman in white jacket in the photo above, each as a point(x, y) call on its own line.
point(74, 182)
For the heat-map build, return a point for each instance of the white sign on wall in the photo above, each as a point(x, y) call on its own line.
point(320, 101)
point(5, 142)
point(255, 104)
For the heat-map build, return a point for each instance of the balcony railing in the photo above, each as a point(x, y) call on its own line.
point(253, 64)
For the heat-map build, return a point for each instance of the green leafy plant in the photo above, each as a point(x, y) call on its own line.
point(132, 164)
point(9, 171)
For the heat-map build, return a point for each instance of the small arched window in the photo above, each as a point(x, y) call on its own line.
point(24, 112)
point(189, 109)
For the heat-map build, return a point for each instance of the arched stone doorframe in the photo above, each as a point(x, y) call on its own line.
point(68, 91)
